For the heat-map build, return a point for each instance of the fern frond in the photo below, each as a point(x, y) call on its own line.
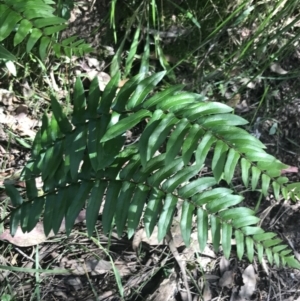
point(87, 162)
point(35, 21)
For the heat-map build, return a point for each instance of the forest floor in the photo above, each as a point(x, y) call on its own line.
point(78, 268)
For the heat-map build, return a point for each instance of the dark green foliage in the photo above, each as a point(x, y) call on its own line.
point(86, 163)
point(33, 21)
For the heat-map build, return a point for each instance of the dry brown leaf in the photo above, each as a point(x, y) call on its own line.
point(165, 292)
point(7, 118)
point(20, 122)
point(37, 235)
point(81, 266)
point(234, 101)
point(249, 279)
point(93, 266)
point(242, 107)
point(21, 110)
point(141, 236)
point(103, 79)
point(93, 62)
point(7, 98)
point(207, 295)
point(235, 295)
point(290, 169)
point(227, 279)
point(276, 68)
point(122, 82)
point(250, 84)
point(74, 281)
point(224, 265)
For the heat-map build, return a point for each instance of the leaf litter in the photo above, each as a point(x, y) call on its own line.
point(147, 256)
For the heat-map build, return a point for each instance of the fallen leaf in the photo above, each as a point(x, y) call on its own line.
point(103, 79)
point(234, 101)
point(290, 169)
point(206, 295)
point(224, 265)
point(91, 265)
point(141, 236)
point(37, 235)
point(249, 279)
point(122, 82)
point(227, 279)
point(242, 107)
point(74, 281)
point(7, 98)
point(249, 83)
point(276, 68)
point(93, 62)
point(165, 291)
point(32, 238)
point(235, 296)
point(21, 109)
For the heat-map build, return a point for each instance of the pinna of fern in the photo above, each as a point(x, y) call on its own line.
point(33, 22)
point(84, 162)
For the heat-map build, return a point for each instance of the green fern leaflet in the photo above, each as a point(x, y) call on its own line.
point(31, 22)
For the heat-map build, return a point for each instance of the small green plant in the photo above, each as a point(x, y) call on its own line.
point(84, 161)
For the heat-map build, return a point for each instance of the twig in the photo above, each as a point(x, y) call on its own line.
point(176, 255)
point(22, 253)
